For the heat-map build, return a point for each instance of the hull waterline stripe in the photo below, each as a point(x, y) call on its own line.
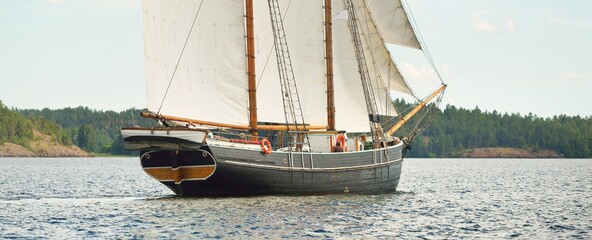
point(299, 169)
point(185, 173)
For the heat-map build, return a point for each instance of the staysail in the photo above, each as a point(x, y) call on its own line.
point(392, 21)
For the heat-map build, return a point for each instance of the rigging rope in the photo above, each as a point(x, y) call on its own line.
point(180, 55)
point(271, 50)
point(421, 40)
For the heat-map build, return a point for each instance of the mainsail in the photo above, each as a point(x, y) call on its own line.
point(303, 24)
point(200, 59)
point(211, 70)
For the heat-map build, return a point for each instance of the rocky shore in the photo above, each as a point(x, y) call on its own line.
point(503, 152)
point(42, 150)
point(42, 147)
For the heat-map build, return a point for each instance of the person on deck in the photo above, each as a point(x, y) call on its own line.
point(338, 147)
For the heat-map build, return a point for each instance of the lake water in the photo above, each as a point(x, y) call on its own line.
point(436, 198)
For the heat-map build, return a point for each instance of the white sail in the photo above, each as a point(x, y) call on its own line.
point(305, 35)
point(269, 94)
point(351, 110)
point(392, 22)
point(303, 23)
point(351, 113)
point(210, 82)
point(383, 71)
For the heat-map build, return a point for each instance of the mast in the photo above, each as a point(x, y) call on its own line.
point(329, 63)
point(251, 69)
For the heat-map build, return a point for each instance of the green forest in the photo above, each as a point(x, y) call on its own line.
point(18, 129)
point(92, 130)
point(452, 129)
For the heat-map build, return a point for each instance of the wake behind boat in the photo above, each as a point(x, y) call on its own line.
point(315, 117)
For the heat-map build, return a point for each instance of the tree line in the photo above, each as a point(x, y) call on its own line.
point(92, 130)
point(18, 129)
point(452, 130)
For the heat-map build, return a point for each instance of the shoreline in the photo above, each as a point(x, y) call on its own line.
point(42, 149)
point(45, 150)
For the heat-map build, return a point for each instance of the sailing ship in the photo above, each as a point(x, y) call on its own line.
point(275, 97)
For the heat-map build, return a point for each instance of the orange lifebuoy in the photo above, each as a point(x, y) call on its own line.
point(341, 139)
point(266, 146)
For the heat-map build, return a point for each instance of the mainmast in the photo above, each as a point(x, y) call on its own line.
point(329, 64)
point(251, 69)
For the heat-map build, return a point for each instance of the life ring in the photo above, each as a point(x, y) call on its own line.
point(341, 139)
point(266, 146)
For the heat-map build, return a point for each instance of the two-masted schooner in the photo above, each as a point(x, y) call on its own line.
point(274, 96)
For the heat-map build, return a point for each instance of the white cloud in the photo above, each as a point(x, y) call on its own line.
point(422, 78)
point(410, 70)
point(577, 78)
point(444, 68)
point(117, 3)
point(510, 24)
point(423, 71)
point(483, 26)
point(477, 14)
point(568, 78)
point(55, 1)
point(480, 24)
point(572, 23)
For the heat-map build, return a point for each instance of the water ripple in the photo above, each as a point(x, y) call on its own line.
point(437, 198)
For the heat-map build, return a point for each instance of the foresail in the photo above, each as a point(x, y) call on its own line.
point(392, 22)
point(351, 111)
point(384, 73)
point(210, 81)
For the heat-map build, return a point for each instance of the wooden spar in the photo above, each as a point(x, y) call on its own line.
point(192, 121)
point(251, 69)
point(414, 111)
point(290, 127)
point(329, 64)
point(226, 125)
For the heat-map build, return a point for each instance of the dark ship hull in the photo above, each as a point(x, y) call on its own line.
point(224, 169)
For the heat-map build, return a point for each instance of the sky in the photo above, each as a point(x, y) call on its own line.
point(505, 55)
